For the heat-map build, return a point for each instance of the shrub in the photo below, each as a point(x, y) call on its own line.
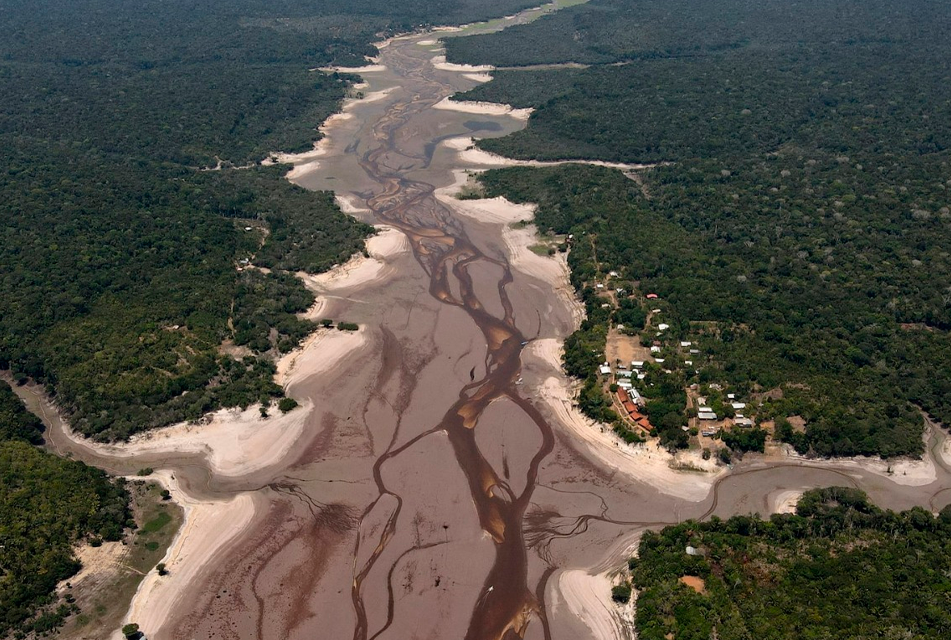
point(287, 404)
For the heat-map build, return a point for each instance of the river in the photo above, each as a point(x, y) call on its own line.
point(437, 482)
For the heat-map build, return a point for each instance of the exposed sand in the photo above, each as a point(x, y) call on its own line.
point(588, 598)
point(369, 68)
point(96, 562)
point(440, 63)
point(360, 270)
point(483, 108)
point(375, 96)
point(647, 463)
point(901, 471)
point(478, 77)
point(208, 528)
point(785, 501)
point(351, 204)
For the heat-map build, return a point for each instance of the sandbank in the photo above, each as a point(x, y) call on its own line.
point(588, 598)
point(440, 63)
point(208, 527)
point(483, 108)
point(901, 471)
point(784, 501)
point(360, 270)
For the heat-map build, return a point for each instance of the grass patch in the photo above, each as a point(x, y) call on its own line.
point(156, 523)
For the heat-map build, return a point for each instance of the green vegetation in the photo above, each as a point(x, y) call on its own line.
point(46, 505)
point(839, 568)
point(287, 404)
point(800, 233)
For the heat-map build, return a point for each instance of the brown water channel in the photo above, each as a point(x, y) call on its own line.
point(432, 492)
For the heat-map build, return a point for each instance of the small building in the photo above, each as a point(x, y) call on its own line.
point(707, 416)
point(641, 376)
point(637, 364)
point(636, 397)
point(605, 370)
point(689, 363)
point(613, 274)
point(663, 326)
point(743, 422)
point(655, 349)
point(730, 396)
point(659, 360)
point(624, 384)
point(738, 405)
point(651, 296)
point(623, 373)
point(599, 286)
point(685, 344)
point(695, 351)
point(708, 433)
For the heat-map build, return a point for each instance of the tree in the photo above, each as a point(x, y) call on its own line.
point(131, 631)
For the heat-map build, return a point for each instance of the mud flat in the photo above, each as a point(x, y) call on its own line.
point(437, 480)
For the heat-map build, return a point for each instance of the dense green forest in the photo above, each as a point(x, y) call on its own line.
point(46, 504)
point(119, 270)
point(798, 227)
point(839, 567)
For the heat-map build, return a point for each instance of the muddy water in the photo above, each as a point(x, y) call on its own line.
point(432, 493)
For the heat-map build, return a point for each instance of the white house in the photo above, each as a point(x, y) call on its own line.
point(685, 344)
point(663, 326)
point(605, 370)
point(637, 364)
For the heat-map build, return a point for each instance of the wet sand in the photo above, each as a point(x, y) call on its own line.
point(437, 481)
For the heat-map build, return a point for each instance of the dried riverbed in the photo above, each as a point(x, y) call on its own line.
point(437, 481)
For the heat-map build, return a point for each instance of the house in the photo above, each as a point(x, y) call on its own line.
point(623, 373)
point(685, 344)
point(663, 326)
point(599, 286)
point(730, 396)
point(743, 422)
point(659, 360)
point(624, 384)
point(636, 397)
point(605, 370)
point(655, 349)
point(637, 364)
point(695, 351)
point(738, 405)
point(689, 363)
point(707, 416)
point(708, 433)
